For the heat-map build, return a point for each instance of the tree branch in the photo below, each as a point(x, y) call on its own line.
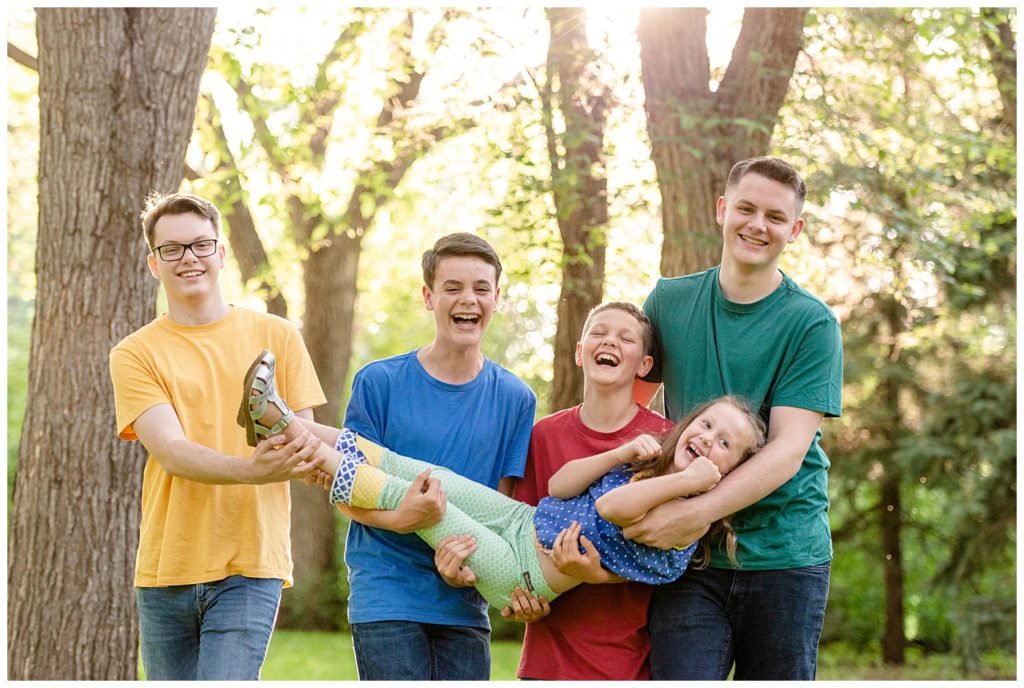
point(22, 57)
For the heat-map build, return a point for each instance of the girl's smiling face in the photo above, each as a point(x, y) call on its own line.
point(722, 433)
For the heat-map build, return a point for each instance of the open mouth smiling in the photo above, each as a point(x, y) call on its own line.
point(466, 318)
point(752, 241)
point(606, 360)
point(691, 452)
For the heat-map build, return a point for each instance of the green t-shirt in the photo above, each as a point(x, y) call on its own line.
point(784, 350)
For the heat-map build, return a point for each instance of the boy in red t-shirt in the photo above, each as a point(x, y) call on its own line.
point(595, 632)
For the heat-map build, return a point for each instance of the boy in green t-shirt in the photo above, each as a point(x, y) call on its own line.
point(745, 328)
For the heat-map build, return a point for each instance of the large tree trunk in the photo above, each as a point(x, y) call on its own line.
point(117, 92)
point(698, 134)
point(580, 185)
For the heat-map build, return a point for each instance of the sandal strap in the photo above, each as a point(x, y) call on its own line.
point(260, 400)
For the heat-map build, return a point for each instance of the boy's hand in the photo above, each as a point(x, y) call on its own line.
point(567, 558)
point(423, 505)
point(526, 607)
point(274, 462)
point(449, 556)
point(639, 448)
point(319, 478)
point(703, 473)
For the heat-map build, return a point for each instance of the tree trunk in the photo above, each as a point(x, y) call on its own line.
point(580, 185)
point(1002, 50)
point(117, 92)
point(894, 639)
point(329, 278)
point(698, 134)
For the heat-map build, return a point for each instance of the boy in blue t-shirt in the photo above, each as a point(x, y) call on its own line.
point(449, 405)
point(745, 328)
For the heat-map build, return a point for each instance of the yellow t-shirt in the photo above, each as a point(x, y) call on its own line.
point(193, 532)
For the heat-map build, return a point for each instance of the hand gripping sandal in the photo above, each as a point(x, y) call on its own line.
point(260, 377)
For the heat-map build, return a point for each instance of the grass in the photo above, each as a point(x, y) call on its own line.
point(325, 656)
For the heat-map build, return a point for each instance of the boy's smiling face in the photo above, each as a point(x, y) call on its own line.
point(612, 349)
point(188, 279)
point(758, 218)
point(462, 298)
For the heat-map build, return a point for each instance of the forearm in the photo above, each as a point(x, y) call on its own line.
point(746, 485)
point(185, 459)
point(629, 503)
point(395, 521)
point(577, 475)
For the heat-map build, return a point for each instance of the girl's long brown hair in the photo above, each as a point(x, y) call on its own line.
point(659, 465)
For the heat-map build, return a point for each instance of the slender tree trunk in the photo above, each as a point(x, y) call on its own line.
point(117, 92)
point(894, 639)
point(580, 184)
point(698, 134)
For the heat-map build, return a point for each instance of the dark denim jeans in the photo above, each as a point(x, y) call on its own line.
point(395, 650)
point(208, 631)
point(767, 622)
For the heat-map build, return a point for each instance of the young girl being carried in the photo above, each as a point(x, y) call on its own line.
point(593, 497)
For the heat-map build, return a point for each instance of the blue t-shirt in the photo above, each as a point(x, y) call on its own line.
point(631, 560)
point(480, 429)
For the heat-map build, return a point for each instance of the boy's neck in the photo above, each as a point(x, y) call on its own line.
point(607, 411)
point(455, 367)
point(201, 313)
point(747, 286)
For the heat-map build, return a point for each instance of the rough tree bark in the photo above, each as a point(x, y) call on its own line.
point(580, 184)
point(117, 93)
point(696, 133)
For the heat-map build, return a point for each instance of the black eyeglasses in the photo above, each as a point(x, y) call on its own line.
point(172, 252)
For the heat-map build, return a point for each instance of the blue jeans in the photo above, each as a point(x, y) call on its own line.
point(218, 630)
point(767, 622)
point(396, 650)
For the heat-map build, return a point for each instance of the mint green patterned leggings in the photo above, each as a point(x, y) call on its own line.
point(505, 555)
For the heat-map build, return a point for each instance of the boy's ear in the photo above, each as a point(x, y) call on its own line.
point(797, 227)
point(579, 354)
point(428, 298)
point(645, 366)
point(151, 263)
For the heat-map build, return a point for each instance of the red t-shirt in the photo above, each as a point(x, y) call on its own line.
point(594, 632)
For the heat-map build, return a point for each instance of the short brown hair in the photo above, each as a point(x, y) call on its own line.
point(158, 205)
point(459, 244)
point(646, 329)
point(773, 168)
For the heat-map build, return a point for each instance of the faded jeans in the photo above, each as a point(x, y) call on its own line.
point(208, 631)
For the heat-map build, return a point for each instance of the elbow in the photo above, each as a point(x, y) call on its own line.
point(558, 490)
point(612, 512)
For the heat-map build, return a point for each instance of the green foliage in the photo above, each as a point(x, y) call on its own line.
point(912, 225)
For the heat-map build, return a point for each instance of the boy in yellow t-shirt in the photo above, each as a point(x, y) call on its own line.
point(214, 549)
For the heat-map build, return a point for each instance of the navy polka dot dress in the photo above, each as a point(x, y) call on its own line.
point(631, 560)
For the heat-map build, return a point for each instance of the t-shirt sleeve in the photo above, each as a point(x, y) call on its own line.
point(814, 380)
point(136, 389)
